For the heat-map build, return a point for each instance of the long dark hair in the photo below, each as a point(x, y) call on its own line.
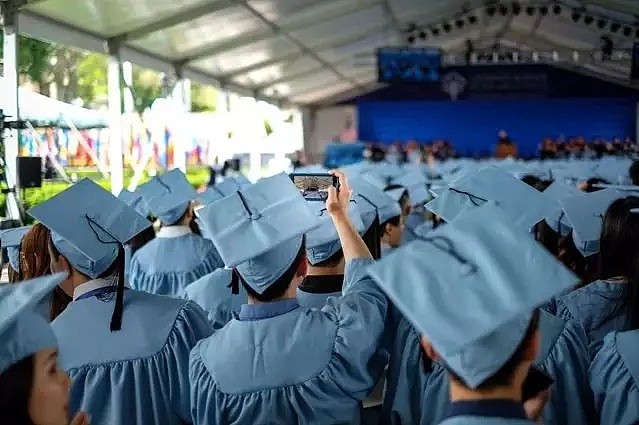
point(144, 237)
point(619, 250)
point(15, 390)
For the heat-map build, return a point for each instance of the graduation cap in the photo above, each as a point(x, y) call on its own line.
point(557, 219)
point(228, 186)
point(620, 187)
point(23, 331)
point(135, 201)
point(11, 240)
point(415, 183)
point(396, 193)
point(474, 297)
point(89, 226)
point(585, 214)
point(210, 195)
point(168, 196)
point(450, 203)
point(323, 241)
point(387, 207)
point(259, 230)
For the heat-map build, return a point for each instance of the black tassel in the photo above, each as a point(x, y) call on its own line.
point(235, 283)
point(116, 318)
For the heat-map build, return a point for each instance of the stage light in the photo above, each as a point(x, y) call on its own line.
point(447, 27)
point(423, 35)
point(627, 31)
point(557, 9)
point(535, 57)
point(530, 10)
point(601, 23)
point(411, 39)
point(516, 8)
point(575, 56)
point(459, 23)
point(555, 56)
point(503, 10)
point(472, 19)
point(588, 20)
point(435, 32)
point(615, 27)
point(491, 10)
point(543, 10)
point(576, 16)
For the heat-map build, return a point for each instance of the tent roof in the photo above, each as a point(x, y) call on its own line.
point(317, 51)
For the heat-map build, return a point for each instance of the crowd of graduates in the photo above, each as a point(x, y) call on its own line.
point(454, 292)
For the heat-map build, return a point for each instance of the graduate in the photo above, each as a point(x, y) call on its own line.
point(608, 304)
point(177, 256)
point(126, 351)
point(33, 388)
point(11, 240)
point(474, 304)
point(415, 183)
point(278, 361)
point(324, 257)
point(614, 378)
point(417, 389)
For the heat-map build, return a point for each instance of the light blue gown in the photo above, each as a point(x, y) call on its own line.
point(614, 378)
point(212, 293)
point(476, 420)
point(598, 306)
point(138, 375)
point(316, 301)
point(302, 366)
point(417, 391)
point(166, 266)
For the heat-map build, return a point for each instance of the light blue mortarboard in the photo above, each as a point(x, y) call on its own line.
point(585, 214)
point(614, 170)
point(385, 172)
point(87, 225)
point(323, 241)
point(385, 205)
point(259, 230)
point(11, 239)
point(557, 191)
point(23, 331)
point(473, 299)
point(168, 196)
point(620, 187)
point(228, 186)
point(135, 201)
point(415, 183)
point(396, 193)
point(367, 211)
point(210, 195)
point(449, 204)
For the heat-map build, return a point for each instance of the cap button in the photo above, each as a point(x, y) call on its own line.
point(256, 216)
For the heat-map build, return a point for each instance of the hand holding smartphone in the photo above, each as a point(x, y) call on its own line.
point(314, 187)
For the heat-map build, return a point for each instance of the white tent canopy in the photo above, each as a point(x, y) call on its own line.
point(43, 111)
point(314, 51)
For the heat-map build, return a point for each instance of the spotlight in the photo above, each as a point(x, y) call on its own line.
point(601, 23)
point(543, 10)
point(411, 39)
point(615, 27)
point(435, 32)
point(423, 35)
point(491, 10)
point(575, 56)
point(503, 10)
point(627, 31)
point(555, 56)
point(535, 57)
point(530, 10)
point(576, 16)
point(447, 27)
point(459, 23)
point(556, 9)
point(588, 20)
point(472, 19)
point(516, 8)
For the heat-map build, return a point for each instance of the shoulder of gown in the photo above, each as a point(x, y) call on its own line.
point(138, 374)
point(212, 293)
point(165, 266)
point(308, 365)
point(478, 420)
point(614, 375)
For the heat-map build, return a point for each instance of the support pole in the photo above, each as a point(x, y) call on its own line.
point(12, 108)
point(115, 119)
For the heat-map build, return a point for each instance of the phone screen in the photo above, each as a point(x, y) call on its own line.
point(536, 382)
point(314, 187)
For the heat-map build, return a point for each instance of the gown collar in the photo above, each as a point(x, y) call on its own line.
point(90, 286)
point(508, 409)
point(249, 312)
point(173, 231)
point(325, 284)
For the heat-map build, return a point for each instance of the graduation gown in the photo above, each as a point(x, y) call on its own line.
point(614, 378)
point(599, 307)
point(486, 412)
point(412, 223)
point(173, 260)
point(417, 391)
point(315, 290)
point(283, 364)
point(212, 293)
point(138, 375)
point(482, 420)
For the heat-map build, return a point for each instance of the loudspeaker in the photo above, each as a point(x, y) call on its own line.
point(634, 67)
point(29, 171)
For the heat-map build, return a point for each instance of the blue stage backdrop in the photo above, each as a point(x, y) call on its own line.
point(472, 125)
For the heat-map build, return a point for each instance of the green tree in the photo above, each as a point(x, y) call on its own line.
point(203, 98)
point(92, 75)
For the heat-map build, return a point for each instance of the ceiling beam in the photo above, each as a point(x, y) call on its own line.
point(392, 19)
point(309, 19)
point(185, 15)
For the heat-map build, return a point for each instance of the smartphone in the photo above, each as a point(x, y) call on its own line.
point(314, 187)
point(536, 382)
